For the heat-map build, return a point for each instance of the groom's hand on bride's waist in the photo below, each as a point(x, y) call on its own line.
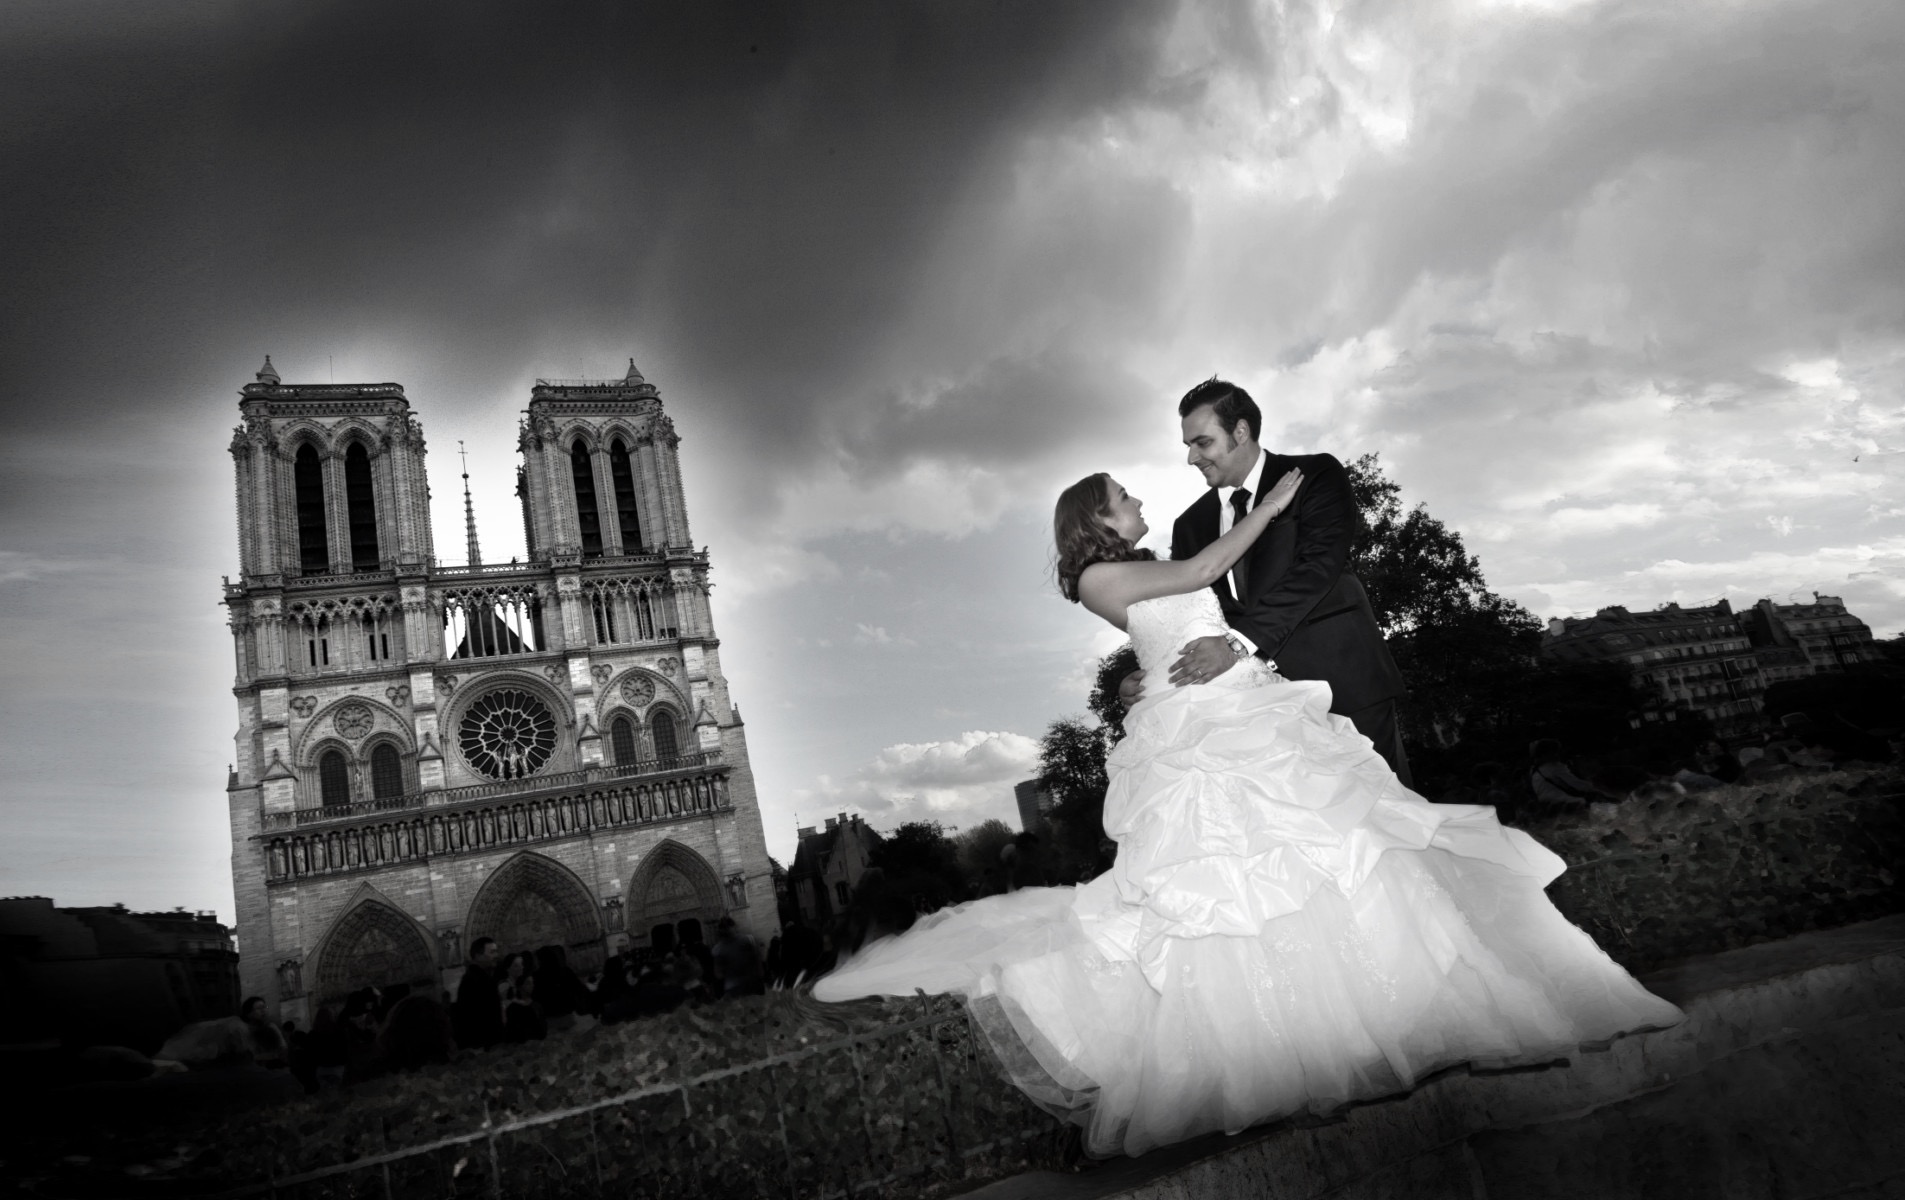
point(1202, 660)
point(1131, 689)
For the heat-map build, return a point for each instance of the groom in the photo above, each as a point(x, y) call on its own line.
point(1289, 600)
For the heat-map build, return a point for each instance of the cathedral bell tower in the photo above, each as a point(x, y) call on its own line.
point(330, 480)
point(543, 752)
point(599, 477)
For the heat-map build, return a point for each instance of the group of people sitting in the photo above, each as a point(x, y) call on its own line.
point(524, 997)
point(520, 997)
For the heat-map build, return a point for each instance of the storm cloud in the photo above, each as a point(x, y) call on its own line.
point(1617, 288)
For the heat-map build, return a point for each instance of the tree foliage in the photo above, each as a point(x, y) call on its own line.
point(1104, 702)
point(978, 848)
point(1072, 768)
point(1464, 650)
point(1416, 569)
point(1479, 689)
point(919, 860)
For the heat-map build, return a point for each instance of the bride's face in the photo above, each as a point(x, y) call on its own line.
point(1125, 515)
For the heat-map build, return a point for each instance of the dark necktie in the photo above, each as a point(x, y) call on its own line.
point(1239, 506)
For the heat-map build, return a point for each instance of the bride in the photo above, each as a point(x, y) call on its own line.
point(1286, 927)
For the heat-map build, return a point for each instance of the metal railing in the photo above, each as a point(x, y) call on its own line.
point(438, 570)
point(529, 788)
point(352, 579)
point(674, 1153)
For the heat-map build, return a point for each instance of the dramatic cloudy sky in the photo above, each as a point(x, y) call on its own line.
point(1616, 288)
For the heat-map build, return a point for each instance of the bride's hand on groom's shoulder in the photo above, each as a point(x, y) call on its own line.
point(1285, 489)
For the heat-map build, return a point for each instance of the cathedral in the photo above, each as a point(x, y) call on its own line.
point(541, 752)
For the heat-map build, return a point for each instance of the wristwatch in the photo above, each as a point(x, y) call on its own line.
point(1237, 646)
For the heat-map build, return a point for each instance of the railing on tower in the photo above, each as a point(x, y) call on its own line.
point(339, 634)
point(626, 609)
point(530, 785)
point(484, 620)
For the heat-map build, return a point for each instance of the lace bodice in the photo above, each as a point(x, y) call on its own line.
point(1159, 628)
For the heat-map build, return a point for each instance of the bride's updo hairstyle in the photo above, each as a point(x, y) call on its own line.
point(1083, 538)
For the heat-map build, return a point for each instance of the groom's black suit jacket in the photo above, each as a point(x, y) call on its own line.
point(1301, 607)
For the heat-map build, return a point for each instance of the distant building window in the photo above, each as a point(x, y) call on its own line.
point(588, 517)
point(314, 545)
point(386, 772)
point(840, 890)
point(360, 501)
point(663, 726)
point(334, 779)
point(622, 739)
point(627, 516)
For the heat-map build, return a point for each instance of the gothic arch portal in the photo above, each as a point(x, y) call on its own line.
point(532, 901)
point(673, 885)
point(373, 944)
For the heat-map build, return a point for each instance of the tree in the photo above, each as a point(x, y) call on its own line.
point(1479, 689)
point(1893, 649)
point(1072, 768)
point(921, 864)
point(1104, 702)
point(1416, 569)
point(1463, 650)
point(1466, 669)
point(978, 848)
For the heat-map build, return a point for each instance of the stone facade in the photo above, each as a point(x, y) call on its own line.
point(1713, 660)
point(828, 865)
point(543, 752)
point(1821, 636)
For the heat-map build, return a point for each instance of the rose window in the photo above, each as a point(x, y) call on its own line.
point(353, 721)
point(638, 690)
point(508, 734)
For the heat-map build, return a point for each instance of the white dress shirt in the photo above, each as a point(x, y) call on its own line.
point(1227, 517)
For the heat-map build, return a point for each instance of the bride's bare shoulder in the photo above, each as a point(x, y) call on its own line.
point(1104, 588)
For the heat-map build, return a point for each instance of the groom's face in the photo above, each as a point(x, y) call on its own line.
point(1221, 455)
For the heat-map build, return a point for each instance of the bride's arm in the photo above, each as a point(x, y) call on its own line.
point(1108, 588)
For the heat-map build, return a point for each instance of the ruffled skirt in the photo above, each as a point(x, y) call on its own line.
point(1286, 929)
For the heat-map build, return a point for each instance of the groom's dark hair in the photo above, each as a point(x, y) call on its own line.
point(1228, 402)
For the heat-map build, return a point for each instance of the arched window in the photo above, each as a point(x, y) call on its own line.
point(334, 779)
point(622, 738)
point(663, 725)
point(588, 516)
point(314, 543)
point(360, 499)
point(386, 772)
point(627, 516)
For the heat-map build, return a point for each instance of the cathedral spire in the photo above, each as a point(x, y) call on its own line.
point(633, 375)
point(269, 374)
point(469, 509)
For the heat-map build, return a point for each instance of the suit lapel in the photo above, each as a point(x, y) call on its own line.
point(1204, 519)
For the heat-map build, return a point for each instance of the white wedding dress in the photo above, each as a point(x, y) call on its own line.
point(1286, 928)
